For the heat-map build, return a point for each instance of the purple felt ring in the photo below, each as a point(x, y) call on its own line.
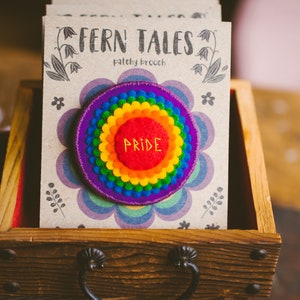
point(94, 164)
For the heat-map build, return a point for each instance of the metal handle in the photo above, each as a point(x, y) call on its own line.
point(183, 257)
point(91, 259)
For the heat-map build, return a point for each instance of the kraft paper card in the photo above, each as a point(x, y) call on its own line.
point(136, 8)
point(135, 123)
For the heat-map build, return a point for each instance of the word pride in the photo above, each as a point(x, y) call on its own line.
point(142, 145)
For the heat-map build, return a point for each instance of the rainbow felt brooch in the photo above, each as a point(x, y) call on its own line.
point(136, 143)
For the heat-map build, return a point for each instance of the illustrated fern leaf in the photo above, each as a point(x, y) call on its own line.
point(59, 67)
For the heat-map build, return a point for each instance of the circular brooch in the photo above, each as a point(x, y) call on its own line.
point(136, 143)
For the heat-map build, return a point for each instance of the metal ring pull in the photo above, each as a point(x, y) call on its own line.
point(91, 259)
point(183, 257)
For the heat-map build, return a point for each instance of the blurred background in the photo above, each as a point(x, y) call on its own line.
point(265, 51)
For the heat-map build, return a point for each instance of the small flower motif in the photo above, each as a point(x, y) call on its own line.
point(205, 35)
point(197, 68)
point(68, 32)
point(184, 225)
point(203, 53)
point(212, 226)
point(58, 102)
point(208, 98)
point(75, 67)
point(69, 51)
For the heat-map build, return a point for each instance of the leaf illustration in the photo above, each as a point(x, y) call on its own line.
point(55, 76)
point(213, 203)
point(213, 70)
point(216, 78)
point(56, 202)
point(225, 68)
point(59, 67)
point(47, 65)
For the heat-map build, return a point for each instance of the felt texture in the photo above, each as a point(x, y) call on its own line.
point(136, 143)
point(141, 143)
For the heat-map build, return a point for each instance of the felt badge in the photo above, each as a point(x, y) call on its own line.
point(136, 143)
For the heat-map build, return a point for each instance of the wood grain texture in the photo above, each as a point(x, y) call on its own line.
point(255, 156)
point(137, 264)
point(14, 156)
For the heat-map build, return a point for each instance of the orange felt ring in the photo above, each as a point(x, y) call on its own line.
point(112, 160)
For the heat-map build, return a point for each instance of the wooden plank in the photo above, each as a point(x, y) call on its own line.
point(136, 236)
point(14, 156)
point(255, 157)
point(137, 262)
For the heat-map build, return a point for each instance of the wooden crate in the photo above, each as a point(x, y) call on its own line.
point(236, 263)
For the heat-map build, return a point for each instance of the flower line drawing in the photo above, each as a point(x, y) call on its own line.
point(208, 98)
point(55, 199)
point(184, 225)
point(214, 201)
point(210, 68)
point(58, 102)
point(60, 67)
point(212, 226)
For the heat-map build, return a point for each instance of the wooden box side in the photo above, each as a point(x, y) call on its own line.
point(14, 156)
point(255, 157)
point(23, 152)
point(137, 262)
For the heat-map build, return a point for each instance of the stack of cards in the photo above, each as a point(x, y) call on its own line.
point(135, 115)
